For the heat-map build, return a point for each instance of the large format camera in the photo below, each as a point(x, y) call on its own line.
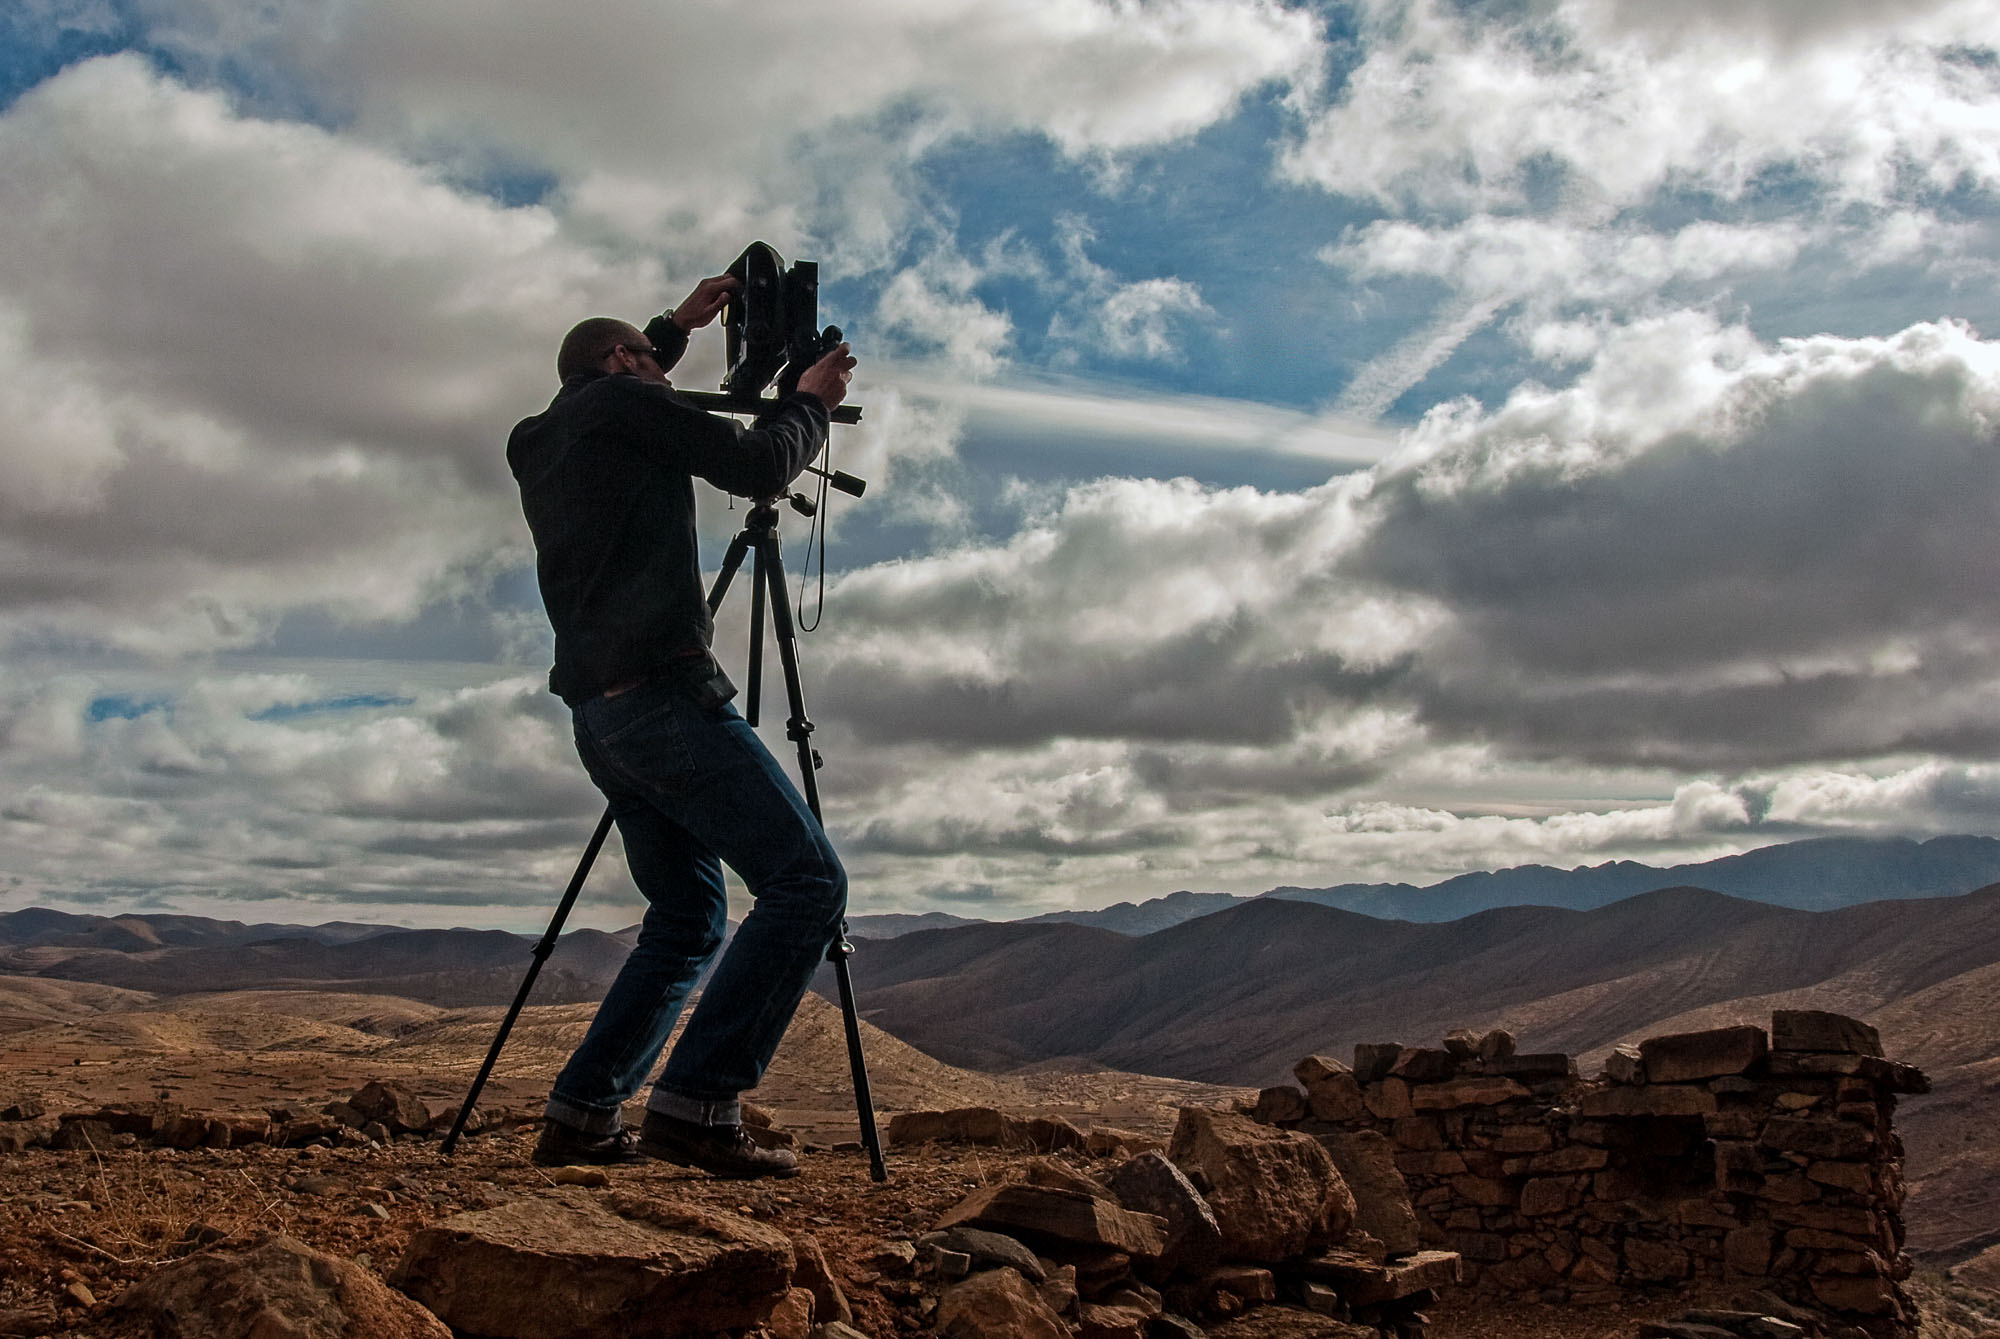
point(771, 331)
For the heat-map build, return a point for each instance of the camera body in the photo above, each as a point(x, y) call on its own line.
point(771, 327)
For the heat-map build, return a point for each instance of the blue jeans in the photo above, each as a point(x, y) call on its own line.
point(692, 788)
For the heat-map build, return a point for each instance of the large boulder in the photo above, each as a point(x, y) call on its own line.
point(997, 1304)
point(569, 1266)
point(393, 1104)
point(1276, 1194)
point(1151, 1184)
point(1367, 1163)
point(277, 1286)
point(1042, 1215)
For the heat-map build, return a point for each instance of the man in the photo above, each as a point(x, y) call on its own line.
point(607, 482)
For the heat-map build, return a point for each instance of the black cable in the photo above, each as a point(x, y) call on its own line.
point(819, 529)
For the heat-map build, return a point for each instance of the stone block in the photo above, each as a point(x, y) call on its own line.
point(1746, 1251)
point(1465, 1092)
point(1651, 1099)
point(1363, 1282)
point(1817, 1030)
point(1496, 1045)
point(1687, 1056)
point(966, 1125)
point(1625, 1065)
point(1522, 1139)
point(1332, 1094)
point(1388, 1099)
point(1275, 1193)
point(1418, 1132)
point(391, 1103)
point(996, 1304)
point(24, 1108)
point(1367, 1163)
point(1067, 1216)
point(1417, 1162)
point(1545, 1195)
point(1861, 1296)
point(1656, 1261)
point(1372, 1060)
point(1536, 1065)
point(1575, 1158)
point(569, 1262)
point(1152, 1184)
point(272, 1285)
point(1423, 1064)
point(1817, 1138)
point(1282, 1105)
point(1104, 1141)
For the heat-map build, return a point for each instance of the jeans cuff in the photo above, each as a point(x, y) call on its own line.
point(728, 1111)
point(590, 1120)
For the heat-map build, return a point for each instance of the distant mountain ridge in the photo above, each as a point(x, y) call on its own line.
point(1817, 874)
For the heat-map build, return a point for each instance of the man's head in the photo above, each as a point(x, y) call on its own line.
point(607, 344)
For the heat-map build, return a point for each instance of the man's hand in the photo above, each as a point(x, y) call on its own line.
point(709, 297)
point(827, 379)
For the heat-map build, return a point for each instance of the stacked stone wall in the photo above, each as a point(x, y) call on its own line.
point(1732, 1156)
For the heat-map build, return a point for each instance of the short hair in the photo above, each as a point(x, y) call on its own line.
point(588, 341)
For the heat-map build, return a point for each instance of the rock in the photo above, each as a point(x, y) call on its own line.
point(1045, 1134)
point(1859, 1295)
point(1275, 1193)
point(1816, 1030)
point(34, 1318)
point(834, 1329)
point(1655, 1261)
point(1366, 1161)
point(567, 1265)
point(18, 1136)
point(1284, 1322)
point(1282, 1105)
point(997, 1304)
point(1059, 1215)
point(1364, 1282)
point(792, 1317)
point(580, 1176)
point(1837, 1139)
point(811, 1272)
point(1421, 1064)
point(994, 1250)
point(377, 1131)
point(1059, 1176)
point(1151, 1184)
point(1105, 1321)
point(1060, 1292)
point(1463, 1043)
point(1650, 1099)
point(1466, 1092)
point(1685, 1056)
point(273, 1285)
point(1103, 1141)
point(1331, 1091)
point(83, 1135)
point(1372, 1060)
point(965, 1125)
point(1625, 1065)
point(1536, 1066)
point(24, 1108)
point(894, 1257)
point(1496, 1045)
point(1167, 1325)
point(393, 1104)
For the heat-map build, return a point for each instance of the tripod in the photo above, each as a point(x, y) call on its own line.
point(759, 539)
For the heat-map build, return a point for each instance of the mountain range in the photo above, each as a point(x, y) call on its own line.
point(1817, 874)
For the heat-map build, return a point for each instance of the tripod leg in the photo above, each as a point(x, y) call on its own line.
point(799, 728)
point(857, 1064)
point(541, 955)
point(731, 560)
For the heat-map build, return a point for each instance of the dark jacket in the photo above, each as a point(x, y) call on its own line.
point(607, 483)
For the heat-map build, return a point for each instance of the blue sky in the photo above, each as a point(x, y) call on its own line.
point(1307, 443)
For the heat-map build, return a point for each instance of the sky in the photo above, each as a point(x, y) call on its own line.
point(1306, 443)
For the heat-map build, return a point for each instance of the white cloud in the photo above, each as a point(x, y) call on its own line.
point(1454, 108)
point(1136, 319)
point(736, 99)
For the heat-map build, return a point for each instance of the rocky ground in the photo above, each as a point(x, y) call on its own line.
point(79, 1227)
